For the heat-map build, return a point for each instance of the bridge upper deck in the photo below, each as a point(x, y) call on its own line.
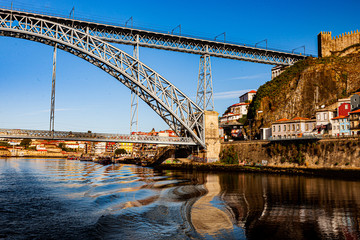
point(171, 42)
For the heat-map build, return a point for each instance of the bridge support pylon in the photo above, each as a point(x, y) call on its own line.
point(204, 96)
point(212, 139)
point(134, 102)
point(52, 110)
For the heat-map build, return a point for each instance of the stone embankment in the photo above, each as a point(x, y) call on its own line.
point(326, 153)
point(326, 158)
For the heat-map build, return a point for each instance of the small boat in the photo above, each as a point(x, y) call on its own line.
point(72, 158)
point(104, 160)
point(86, 158)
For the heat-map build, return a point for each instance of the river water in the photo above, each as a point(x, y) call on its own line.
point(67, 199)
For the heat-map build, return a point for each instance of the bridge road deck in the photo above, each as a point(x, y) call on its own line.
point(93, 137)
point(172, 42)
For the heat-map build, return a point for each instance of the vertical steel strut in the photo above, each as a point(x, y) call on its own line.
point(52, 111)
point(204, 97)
point(134, 104)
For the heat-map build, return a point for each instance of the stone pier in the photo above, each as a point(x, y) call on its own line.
point(212, 139)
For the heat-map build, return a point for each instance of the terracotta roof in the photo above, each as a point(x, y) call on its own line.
point(239, 104)
point(339, 117)
point(252, 91)
point(356, 111)
point(301, 118)
point(282, 120)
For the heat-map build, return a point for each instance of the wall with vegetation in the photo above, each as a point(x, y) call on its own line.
point(323, 153)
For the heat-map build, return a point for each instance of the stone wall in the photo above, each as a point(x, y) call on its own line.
point(324, 153)
point(212, 138)
point(328, 44)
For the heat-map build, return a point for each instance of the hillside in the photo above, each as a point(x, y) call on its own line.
point(301, 88)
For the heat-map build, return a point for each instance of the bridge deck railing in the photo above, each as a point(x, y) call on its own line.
point(99, 137)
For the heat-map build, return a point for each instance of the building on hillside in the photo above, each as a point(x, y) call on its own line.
point(247, 97)
point(340, 126)
point(100, 148)
point(323, 119)
point(276, 71)
point(297, 127)
point(355, 122)
point(110, 147)
point(239, 108)
point(344, 109)
point(128, 147)
point(229, 118)
point(265, 133)
point(233, 113)
point(345, 126)
point(355, 101)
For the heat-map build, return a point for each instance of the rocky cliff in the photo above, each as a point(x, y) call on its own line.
point(305, 86)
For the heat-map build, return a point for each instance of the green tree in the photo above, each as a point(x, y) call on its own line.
point(4, 144)
point(25, 143)
point(120, 151)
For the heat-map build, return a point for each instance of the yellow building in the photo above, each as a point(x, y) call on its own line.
point(127, 146)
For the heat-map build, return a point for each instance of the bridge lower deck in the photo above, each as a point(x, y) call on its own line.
point(93, 137)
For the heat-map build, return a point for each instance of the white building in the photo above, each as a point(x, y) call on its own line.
point(276, 71)
point(100, 147)
point(297, 127)
point(265, 133)
point(234, 112)
point(323, 119)
point(247, 97)
point(229, 117)
point(339, 126)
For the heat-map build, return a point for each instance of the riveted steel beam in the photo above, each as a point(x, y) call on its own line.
point(174, 42)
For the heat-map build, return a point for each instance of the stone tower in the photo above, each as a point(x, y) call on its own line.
point(328, 44)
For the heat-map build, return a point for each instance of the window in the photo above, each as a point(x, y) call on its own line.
point(279, 128)
point(307, 127)
point(293, 127)
point(318, 116)
point(273, 128)
point(284, 127)
point(325, 116)
point(297, 127)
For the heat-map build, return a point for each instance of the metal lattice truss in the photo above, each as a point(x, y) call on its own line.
point(173, 106)
point(204, 97)
point(93, 137)
point(152, 39)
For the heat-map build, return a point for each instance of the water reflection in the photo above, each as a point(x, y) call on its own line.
point(42, 198)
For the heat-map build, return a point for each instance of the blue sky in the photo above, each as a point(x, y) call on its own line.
point(89, 99)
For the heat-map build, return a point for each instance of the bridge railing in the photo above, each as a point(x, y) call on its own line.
point(99, 137)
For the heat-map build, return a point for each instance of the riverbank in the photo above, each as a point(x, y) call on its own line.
point(334, 172)
point(35, 156)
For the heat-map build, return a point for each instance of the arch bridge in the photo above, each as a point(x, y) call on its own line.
point(181, 114)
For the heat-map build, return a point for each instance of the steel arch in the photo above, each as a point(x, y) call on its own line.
point(173, 106)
